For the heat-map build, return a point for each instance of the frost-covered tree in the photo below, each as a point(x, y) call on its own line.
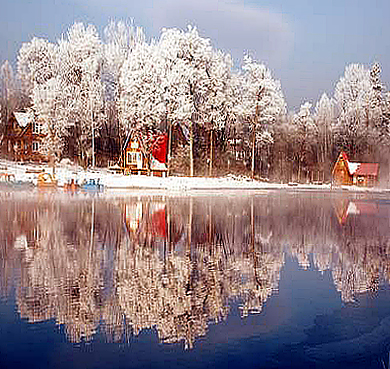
point(304, 135)
point(168, 81)
point(283, 151)
point(38, 69)
point(119, 40)
point(8, 96)
point(378, 107)
point(261, 103)
point(219, 104)
point(37, 64)
point(141, 99)
point(81, 58)
point(142, 106)
point(324, 121)
point(47, 100)
point(72, 99)
point(188, 59)
point(356, 129)
point(386, 114)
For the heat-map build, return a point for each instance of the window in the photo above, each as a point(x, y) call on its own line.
point(37, 128)
point(134, 158)
point(134, 145)
point(131, 157)
point(35, 146)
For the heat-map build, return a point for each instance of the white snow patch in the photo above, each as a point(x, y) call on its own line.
point(23, 119)
point(352, 209)
point(353, 167)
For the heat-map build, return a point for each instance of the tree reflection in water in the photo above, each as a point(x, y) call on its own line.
point(176, 264)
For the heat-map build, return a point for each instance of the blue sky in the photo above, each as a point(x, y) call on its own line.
point(306, 44)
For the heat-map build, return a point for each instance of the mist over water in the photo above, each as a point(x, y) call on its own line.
point(262, 280)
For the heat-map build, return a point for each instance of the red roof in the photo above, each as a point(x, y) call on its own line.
point(344, 155)
point(367, 169)
point(360, 169)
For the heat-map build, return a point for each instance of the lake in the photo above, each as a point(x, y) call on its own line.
point(147, 280)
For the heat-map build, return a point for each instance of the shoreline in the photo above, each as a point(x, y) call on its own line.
point(28, 173)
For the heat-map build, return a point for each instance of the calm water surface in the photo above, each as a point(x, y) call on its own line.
point(273, 280)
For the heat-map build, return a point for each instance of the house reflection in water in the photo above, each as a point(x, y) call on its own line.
point(175, 264)
point(345, 208)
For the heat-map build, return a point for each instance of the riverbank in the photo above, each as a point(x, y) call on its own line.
point(65, 172)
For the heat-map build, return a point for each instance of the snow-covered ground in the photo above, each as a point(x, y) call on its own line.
point(64, 172)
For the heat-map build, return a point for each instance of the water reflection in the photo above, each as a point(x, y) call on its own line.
point(176, 264)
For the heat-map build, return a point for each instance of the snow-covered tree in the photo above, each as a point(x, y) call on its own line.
point(378, 107)
point(262, 101)
point(120, 38)
point(8, 95)
point(141, 100)
point(37, 63)
point(169, 81)
point(324, 120)
point(47, 100)
point(304, 136)
point(81, 58)
point(72, 99)
point(188, 59)
point(219, 104)
point(356, 98)
point(283, 149)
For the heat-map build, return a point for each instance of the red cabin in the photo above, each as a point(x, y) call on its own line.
point(23, 137)
point(346, 172)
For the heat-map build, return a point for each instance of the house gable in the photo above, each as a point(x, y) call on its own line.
point(360, 174)
point(136, 158)
point(341, 173)
point(134, 154)
point(22, 141)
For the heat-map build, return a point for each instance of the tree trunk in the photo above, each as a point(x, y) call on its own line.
point(189, 227)
point(91, 242)
point(299, 170)
point(210, 230)
point(93, 140)
point(253, 152)
point(5, 131)
point(169, 148)
point(211, 152)
point(168, 218)
point(52, 162)
point(191, 149)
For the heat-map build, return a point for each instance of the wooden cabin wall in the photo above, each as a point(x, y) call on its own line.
point(341, 175)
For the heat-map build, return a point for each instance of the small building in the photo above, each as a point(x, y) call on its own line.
point(23, 137)
point(137, 160)
point(346, 172)
point(134, 155)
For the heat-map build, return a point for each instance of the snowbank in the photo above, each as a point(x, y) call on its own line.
point(64, 172)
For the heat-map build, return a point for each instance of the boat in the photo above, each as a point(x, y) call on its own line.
point(8, 181)
point(92, 184)
point(6, 178)
point(46, 180)
point(71, 186)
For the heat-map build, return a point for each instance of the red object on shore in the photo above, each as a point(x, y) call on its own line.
point(159, 148)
